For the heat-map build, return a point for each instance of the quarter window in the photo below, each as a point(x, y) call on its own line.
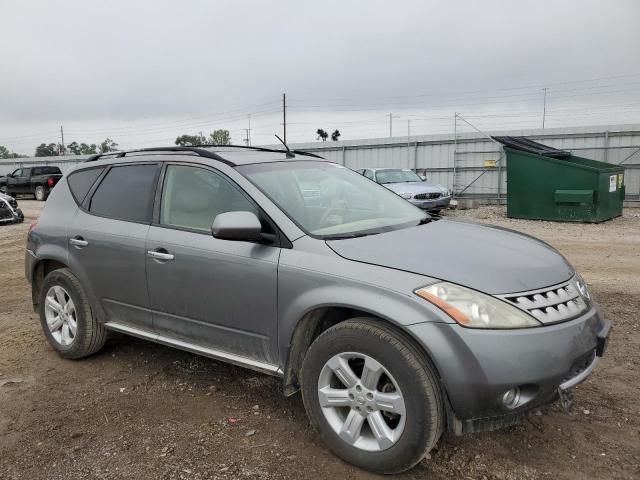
point(368, 174)
point(192, 197)
point(81, 182)
point(126, 193)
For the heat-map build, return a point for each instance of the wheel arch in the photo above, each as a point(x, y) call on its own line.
point(40, 270)
point(317, 320)
point(48, 264)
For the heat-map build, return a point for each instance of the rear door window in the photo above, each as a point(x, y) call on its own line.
point(126, 193)
point(81, 182)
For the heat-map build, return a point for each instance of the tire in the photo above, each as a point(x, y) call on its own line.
point(40, 193)
point(412, 376)
point(89, 336)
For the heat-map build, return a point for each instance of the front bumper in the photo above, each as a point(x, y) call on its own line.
point(435, 204)
point(478, 366)
point(9, 214)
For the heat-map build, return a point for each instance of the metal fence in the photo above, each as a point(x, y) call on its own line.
point(468, 161)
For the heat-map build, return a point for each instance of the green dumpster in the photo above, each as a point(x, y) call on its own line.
point(548, 184)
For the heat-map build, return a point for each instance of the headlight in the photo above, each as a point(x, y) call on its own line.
point(406, 196)
point(474, 309)
point(581, 286)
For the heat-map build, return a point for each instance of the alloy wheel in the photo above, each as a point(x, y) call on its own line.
point(361, 401)
point(60, 314)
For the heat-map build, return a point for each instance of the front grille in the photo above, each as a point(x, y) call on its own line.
point(553, 304)
point(427, 196)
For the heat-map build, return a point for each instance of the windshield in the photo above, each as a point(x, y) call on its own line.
point(331, 201)
point(396, 176)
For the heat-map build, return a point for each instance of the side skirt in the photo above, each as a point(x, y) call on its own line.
point(197, 349)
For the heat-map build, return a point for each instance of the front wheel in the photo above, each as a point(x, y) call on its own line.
point(40, 193)
point(372, 395)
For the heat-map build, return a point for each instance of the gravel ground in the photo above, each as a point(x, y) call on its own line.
point(140, 410)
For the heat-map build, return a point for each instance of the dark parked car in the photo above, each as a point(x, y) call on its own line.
point(38, 181)
point(9, 211)
point(395, 326)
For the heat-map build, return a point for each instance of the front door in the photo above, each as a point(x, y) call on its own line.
point(16, 183)
point(214, 293)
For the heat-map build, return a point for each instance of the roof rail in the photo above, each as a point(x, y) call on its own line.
point(199, 150)
point(264, 149)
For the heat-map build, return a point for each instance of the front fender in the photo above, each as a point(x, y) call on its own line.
point(336, 282)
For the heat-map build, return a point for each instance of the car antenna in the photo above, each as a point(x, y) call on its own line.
point(290, 154)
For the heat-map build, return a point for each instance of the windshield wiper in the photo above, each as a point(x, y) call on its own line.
point(425, 220)
point(351, 235)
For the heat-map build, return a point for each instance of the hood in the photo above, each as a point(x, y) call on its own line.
point(414, 187)
point(490, 259)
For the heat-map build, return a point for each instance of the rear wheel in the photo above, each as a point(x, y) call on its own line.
point(66, 318)
point(40, 193)
point(372, 395)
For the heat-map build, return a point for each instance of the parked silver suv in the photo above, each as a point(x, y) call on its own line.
point(395, 326)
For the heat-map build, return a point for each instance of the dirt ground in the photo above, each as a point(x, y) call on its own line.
point(144, 411)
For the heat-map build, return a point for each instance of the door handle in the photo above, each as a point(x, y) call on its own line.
point(78, 242)
point(160, 255)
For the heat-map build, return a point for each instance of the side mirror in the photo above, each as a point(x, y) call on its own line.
point(239, 226)
point(9, 175)
point(423, 177)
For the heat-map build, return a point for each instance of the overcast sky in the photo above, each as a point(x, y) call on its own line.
point(144, 72)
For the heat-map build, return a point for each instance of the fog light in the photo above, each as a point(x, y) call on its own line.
point(510, 398)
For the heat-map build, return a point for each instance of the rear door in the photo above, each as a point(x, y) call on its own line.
point(107, 238)
point(217, 294)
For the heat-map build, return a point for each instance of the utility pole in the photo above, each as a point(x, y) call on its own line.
point(246, 140)
point(284, 116)
point(249, 131)
point(62, 139)
point(544, 106)
point(201, 138)
point(390, 126)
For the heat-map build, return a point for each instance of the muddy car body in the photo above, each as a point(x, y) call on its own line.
point(395, 326)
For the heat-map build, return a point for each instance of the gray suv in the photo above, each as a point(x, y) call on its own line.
point(395, 326)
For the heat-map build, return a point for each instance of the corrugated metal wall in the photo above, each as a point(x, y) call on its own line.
point(435, 154)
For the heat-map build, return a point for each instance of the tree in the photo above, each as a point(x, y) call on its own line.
point(220, 137)
point(74, 148)
point(5, 153)
point(50, 150)
point(108, 146)
point(188, 140)
point(322, 135)
point(82, 148)
point(335, 135)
